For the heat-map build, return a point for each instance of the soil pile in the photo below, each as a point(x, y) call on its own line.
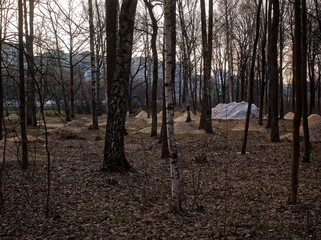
point(183, 117)
point(315, 132)
point(289, 116)
point(187, 127)
point(314, 128)
point(254, 126)
point(141, 114)
point(314, 118)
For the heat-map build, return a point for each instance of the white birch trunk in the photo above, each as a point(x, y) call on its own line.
point(169, 10)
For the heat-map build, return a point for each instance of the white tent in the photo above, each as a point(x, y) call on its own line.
point(234, 111)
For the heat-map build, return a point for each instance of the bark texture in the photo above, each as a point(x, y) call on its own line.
point(22, 93)
point(206, 118)
point(93, 66)
point(111, 32)
point(298, 106)
point(170, 33)
point(114, 153)
point(273, 70)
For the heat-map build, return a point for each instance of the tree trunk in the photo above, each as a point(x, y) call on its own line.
point(93, 66)
point(146, 74)
point(170, 33)
point(22, 94)
point(273, 70)
point(31, 104)
point(163, 133)
point(155, 68)
point(251, 83)
point(311, 62)
point(111, 32)
point(206, 118)
point(263, 80)
point(306, 155)
point(298, 106)
point(1, 87)
point(281, 61)
point(186, 52)
point(114, 153)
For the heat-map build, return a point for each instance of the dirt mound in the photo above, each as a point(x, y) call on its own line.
point(314, 118)
point(315, 132)
point(289, 116)
point(31, 139)
point(187, 127)
point(141, 114)
point(254, 126)
point(76, 124)
point(180, 127)
point(182, 117)
point(160, 114)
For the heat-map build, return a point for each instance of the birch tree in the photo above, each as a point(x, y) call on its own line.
point(93, 66)
point(170, 33)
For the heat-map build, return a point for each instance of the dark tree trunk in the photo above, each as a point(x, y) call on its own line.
point(263, 80)
point(273, 70)
point(281, 32)
point(1, 89)
point(155, 68)
point(306, 155)
point(22, 94)
point(206, 118)
point(111, 32)
point(311, 62)
point(298, 106)
point(70, 93)
point(186, 63)
point(114, 153)
point(251, 80)
point(93, 67)
point(31, 104)
point(146, 77)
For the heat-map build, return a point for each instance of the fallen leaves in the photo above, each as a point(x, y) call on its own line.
point(225, 195)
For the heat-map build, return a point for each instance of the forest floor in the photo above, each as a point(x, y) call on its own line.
point(225, 195)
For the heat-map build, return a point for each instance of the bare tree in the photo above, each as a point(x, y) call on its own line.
point(31, 93)
point(207, 37)
point(263, 66)
point(22, 106)
point(114, 154)
point(111, 34)
point(150, 7)
point(273, 69)
point(170, 33)
point(298, 104)
point(306, 155)
point(251, 80)
point(93, 66)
